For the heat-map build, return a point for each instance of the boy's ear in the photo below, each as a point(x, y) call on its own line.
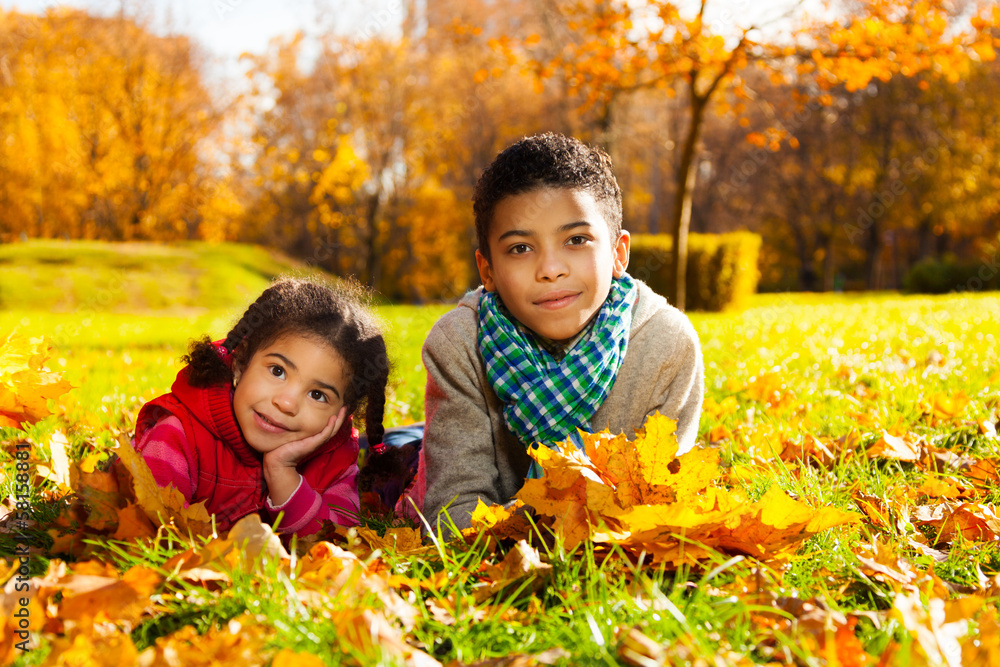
point(621, 254)
point(485, 272)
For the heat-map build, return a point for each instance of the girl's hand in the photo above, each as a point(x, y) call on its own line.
point(289, 454)
point(279, 464)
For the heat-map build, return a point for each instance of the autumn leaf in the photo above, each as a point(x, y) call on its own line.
point(522, 563)
point(941, 487)
point(938, 629)
point(26, 385)
point(943, 407)
point(59, 473)
point(901, 448)
point(288, 658)
point(499, 521)
point(100, 493)
point(133, 524)
point(94, 650)
point(95, 589)
point(402, 540)
point(973, 521)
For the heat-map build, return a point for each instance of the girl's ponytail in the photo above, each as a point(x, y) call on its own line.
point(205, 365)
point(374, 415)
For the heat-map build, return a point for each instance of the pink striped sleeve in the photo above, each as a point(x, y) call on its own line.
point(164, 448)
point(306, 509)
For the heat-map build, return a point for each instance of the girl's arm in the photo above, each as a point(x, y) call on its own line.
point(306, 509)
point(165, 450)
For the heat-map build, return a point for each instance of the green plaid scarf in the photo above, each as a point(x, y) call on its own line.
point(546, 401)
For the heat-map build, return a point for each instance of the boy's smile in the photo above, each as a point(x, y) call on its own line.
point(552, 259)
point(288, 391)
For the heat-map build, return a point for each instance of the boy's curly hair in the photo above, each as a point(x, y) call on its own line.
point(546, 160)
point(333, 316)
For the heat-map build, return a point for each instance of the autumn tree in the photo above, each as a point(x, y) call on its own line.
point(104, 126)
point(620, 47)
point(366, 159)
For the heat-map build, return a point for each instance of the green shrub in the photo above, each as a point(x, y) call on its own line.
point(721, 271)
point(948, 274)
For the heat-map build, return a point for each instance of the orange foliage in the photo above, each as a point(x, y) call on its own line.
point(104, 125)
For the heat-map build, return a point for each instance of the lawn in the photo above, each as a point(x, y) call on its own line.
point(883, 405)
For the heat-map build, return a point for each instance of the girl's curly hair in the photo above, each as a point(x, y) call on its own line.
point(334, 316)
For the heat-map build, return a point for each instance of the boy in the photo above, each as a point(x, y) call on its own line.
point(558, 338)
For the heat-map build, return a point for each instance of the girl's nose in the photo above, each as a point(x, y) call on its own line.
point(285, 401)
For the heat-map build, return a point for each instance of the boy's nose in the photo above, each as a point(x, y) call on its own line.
point(551, 267)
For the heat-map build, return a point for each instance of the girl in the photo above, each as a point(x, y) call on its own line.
point(262, 420)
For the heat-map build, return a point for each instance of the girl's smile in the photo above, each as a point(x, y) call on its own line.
point(288, 391)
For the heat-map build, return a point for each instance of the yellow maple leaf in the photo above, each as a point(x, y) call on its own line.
point(501, 522)
point(26, 385)
point(161, 504)
point(401, 540)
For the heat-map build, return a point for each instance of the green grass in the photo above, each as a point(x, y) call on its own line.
point(95, 277)
point(840, 364)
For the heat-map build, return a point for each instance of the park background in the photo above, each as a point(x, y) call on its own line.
point(152, 183)
point(859, 140)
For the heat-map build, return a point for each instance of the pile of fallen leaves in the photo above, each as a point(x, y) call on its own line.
point(639, 494)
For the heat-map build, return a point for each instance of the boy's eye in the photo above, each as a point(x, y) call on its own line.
point(277, 371)
point(577, 240)
point(317, 395)
point(519, 249)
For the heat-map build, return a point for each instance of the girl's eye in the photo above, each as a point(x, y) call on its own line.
point(317, 395)
point(519, 249)
point(277, 371)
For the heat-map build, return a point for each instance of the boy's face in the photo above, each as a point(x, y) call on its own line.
point(552, 259)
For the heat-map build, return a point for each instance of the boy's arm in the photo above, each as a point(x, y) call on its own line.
point(458, 459)
point(681, 385)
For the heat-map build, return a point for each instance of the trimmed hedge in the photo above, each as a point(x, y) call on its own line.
point(949, 274)
point(721, 272)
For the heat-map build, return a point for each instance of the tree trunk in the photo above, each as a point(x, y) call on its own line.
point(373, 264)
point(829, 264)
point(925, 238)
point(656, 188)
point(686, 175)
point(873, 263)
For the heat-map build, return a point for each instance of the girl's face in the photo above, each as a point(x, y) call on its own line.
point(288, 391)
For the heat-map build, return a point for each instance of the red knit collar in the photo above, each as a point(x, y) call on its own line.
point(213, 407)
